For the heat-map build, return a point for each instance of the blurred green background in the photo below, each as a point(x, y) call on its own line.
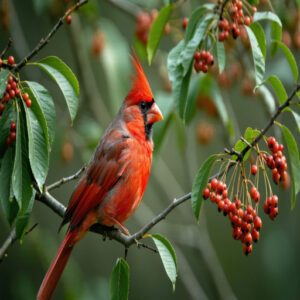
point(211, 264)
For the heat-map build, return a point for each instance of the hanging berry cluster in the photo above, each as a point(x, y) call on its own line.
point(236, 11)
point(202, 61)
point(240, 200)
point(144, 21)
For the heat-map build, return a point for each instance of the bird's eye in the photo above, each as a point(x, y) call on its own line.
point(143, 105)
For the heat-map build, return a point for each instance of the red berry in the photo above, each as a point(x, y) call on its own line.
point(206, 193)
point(13, 126)
point(248, 239)
point(25, 97)
point(247, 249)
point(18, 92)
point(271, 142)
point(185, 22)
point(2, 107)
point(1, 62)
point(255, 235)
point(273, 213)
point(237, 233)
point(247, 21)
point(6, 97)
point(13, 85)
point(12, 94)
point(214, 184)
point(274, 201)
point(254, 170)
point(28, 103)
point(198, 66)
point(11, 60)
point(257, 222)
point(68, 19)
point(204, 68)
point(197, 56)
point(275, 176)
point(12, 135)
point(254, 193)
point(10, 79)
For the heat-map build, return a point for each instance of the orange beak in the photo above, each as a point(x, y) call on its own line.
point(154, 114)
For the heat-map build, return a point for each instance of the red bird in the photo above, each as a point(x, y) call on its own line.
point(116, 178)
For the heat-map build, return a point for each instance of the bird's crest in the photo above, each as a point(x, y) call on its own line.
point(140, 89)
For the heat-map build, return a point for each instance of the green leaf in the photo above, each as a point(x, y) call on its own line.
point(21, 177)
point(38, 148)
point(5, 121)
point(23, 217)
point(181, 92)
point(43, 107)
point(65, 79)
point(119, 281)
point(268, 98)
point(249, 135)
point(157, 30)
point(200, 183)
point(174, 68)
point(258, 57)
point(276, 32)
point(294, 161)
point(160, 132)
point(290, 58)
point(9, 206)
point(278, 88)
point(260, 37)
point(221, 56)
point(167, 255)
point(194, 20)
point(187, 55)
point(3, 81)
point(297, 118)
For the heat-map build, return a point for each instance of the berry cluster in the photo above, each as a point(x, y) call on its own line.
point(237, 19)
point(202, 61)
point(143, 24)
point(10, 61)
point(276, 161)
point(271, 207)
point(245, 222)
point(12, 134)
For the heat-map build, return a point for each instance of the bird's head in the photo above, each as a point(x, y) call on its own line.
point(139, 104)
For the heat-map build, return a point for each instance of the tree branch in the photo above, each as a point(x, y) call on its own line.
point(8, 45)
point(44, 41)
point(12, 237)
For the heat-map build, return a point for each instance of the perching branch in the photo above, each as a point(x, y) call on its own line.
point(44, 41)
point(8, 45)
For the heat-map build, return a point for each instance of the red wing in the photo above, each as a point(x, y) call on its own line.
point(102, 174)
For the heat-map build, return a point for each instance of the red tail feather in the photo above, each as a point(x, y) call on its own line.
point(58, 264)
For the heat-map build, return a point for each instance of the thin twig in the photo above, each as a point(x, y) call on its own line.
point(65, 179)
point(44, 41)
point(8, 45)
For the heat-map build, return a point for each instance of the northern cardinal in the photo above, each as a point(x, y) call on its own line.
point(115, 180)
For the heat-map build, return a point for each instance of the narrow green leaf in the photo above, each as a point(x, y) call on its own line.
point(258, 58)
point(294, 161)
point(276, 26)
point(296, 118)
point(167, 255)
point(5, 121)
point(173, 62)
point(181, 92)
point(157, 30)
point(194, 20)
point(65, 79)
point(119, 281)
point(8, 204)
point(23, 217)
point(199, 184)
point(43, 107)
point(21, 177)
point(187, 55)
point(268, 99)
point(38, 148)
point(278, 88)
point(3, 81)
point(260, 37)
point(290, 58)
point(221, 56)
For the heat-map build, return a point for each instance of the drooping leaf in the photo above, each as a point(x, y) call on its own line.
point(296, 118)
point(268, 98)
point(167, 255)
point(278, 88)
point(119, 281)
point(260, 37)
point(294, 161)
point(221, 56)
point(194, 20)
point(8, 204)
point(258, 58)
point(21, 176)
point(38, 147)
point(65, 79)
point(199, 184)
point(43, 107)
point(157, 30)
point(187, 54)
point(3, 81)
point(290, 58)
